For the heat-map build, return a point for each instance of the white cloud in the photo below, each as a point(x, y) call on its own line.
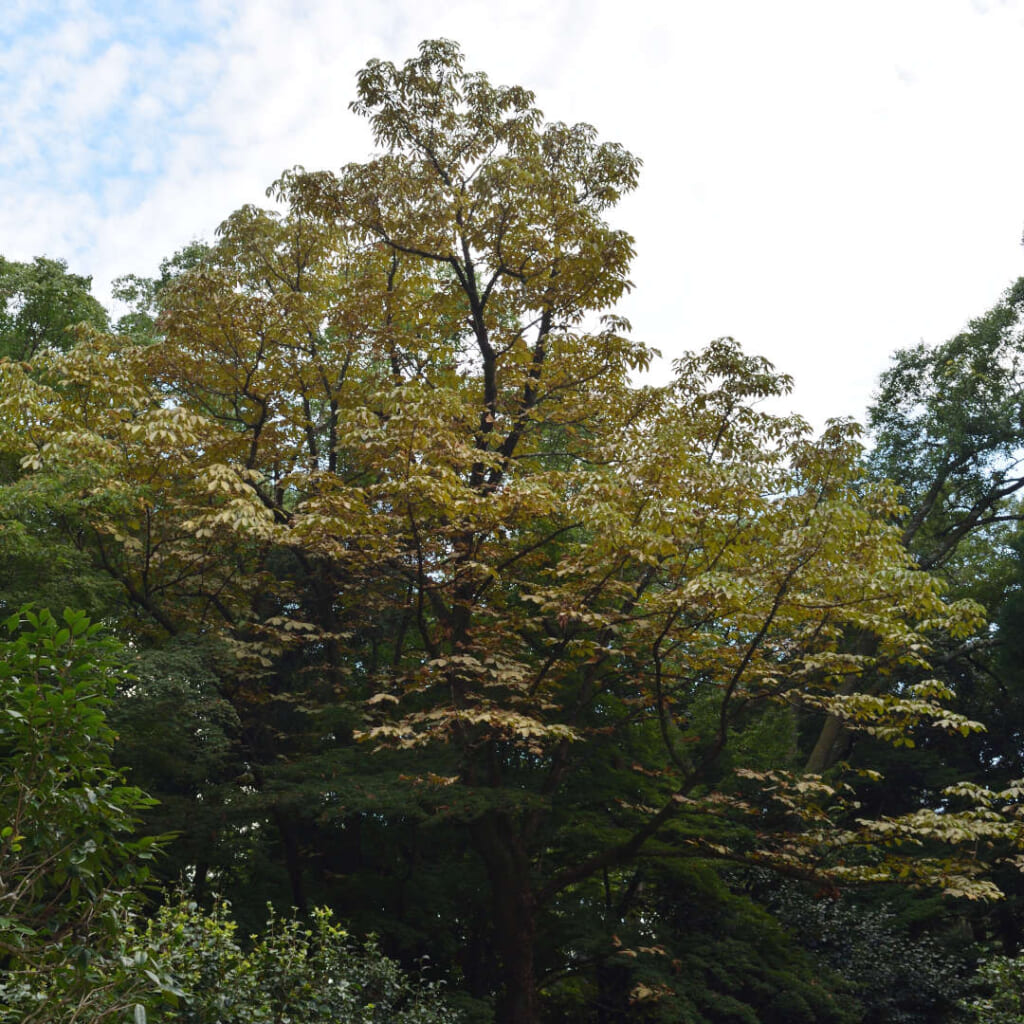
point(98, 86)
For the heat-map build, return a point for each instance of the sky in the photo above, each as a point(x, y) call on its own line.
point(825, 180)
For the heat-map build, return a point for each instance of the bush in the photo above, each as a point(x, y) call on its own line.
point(312, 973)
point(70, 869)
point(1003, 979)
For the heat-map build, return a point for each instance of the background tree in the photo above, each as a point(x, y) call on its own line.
point(947, 424)
point(39, 303)
point(141, 295)
point(947, 427)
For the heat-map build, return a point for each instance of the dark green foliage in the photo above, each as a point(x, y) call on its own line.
point(948, 423)
point(39, 302)
point(672, 942)
point(71, 871)
point(71, 945)
point(897, 952)
point(178, 737)
point(42, 558)
point(999, 996)
point(949, 428)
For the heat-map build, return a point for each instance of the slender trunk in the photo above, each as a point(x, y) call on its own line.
point(199, 882)
point(613, 985)
point(292, 859)
point(473, 958)
point(832, 743)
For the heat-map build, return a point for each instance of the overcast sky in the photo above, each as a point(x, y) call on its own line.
point(825, 180)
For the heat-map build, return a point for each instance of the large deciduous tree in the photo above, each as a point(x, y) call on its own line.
point(948, 423)
point(477, 585)
point(948, 426)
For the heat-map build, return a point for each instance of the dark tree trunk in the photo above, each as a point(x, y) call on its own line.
point(292, 859)
point(199, 882)
point(475, 957)
point(515, 916)
point(613, 986)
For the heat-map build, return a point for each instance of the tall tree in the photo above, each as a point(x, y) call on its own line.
point(948, 424)
point(40, 305)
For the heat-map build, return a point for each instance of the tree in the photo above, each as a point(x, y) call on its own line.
point(71, 870)
point(947, 425)
point(481, 591)
point(39, 303)
point(142, 294)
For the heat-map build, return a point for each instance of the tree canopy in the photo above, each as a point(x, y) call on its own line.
point(39, 303)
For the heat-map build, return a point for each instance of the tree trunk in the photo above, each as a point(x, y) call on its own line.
point(199, 881)
point(831, 746)
point(292, 859)
point(518, 1003)
point(833, 743)
point(515, 916)
point(613, 985)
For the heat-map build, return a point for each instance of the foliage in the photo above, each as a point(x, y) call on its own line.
point(177, 736)
point(142, 294)
point(898, 970)
point(42, 560)
point(691, 950)
point(948, 423)
point(39, 303)
point(488, 604)
point(313, 973)
point(71, 943)
point(70, 869)
point(1003, 1003)
point(948, 428)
